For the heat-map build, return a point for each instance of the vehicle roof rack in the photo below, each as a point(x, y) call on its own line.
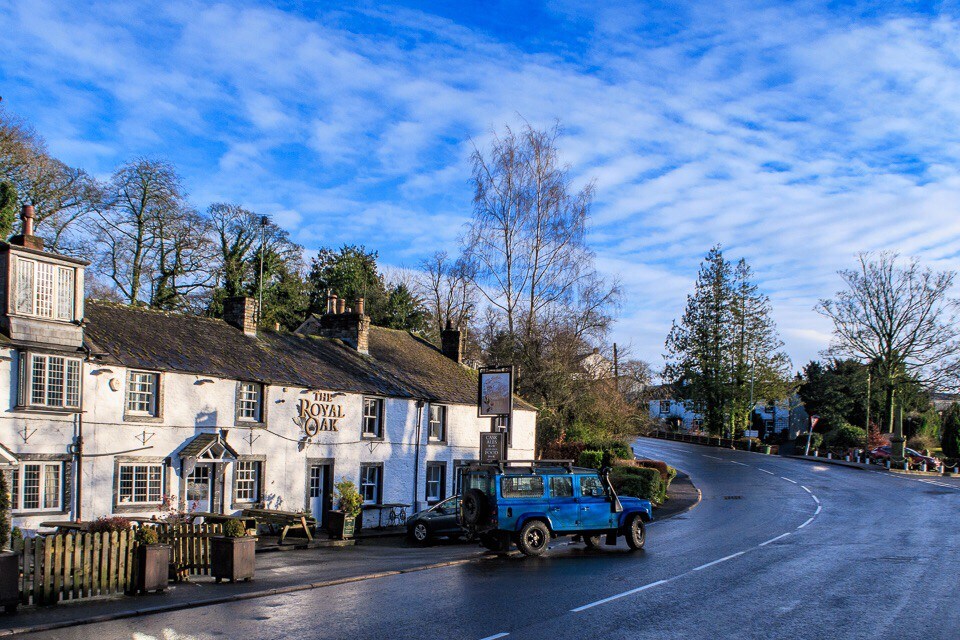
point(533, 464)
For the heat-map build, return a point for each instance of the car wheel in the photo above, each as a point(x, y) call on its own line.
point(592, 542)
point(534, 537)
point(419, 533)
point(636, 533)
point(473, 507)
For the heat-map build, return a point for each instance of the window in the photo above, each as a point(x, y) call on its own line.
point(54, 381)
point(140, 483)
point(664, 406)
point(38, 486)
point(250, 402)
point(521, 486)
point(373, 417)
point(437, 429)
point(45, 290)
point(246, 482)
point(371, 478)
point(142, 393)
point(561, 487)
point(436, 481)
point(591, 486)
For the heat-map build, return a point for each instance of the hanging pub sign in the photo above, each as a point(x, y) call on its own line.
point(495, 392)
point(319, 412)
point(491, 446)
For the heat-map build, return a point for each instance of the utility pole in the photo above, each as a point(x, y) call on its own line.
point(616, 368)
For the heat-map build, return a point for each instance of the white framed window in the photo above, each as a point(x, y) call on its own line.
point(246, 481)
point(250, 402)
point(50, 381)
point(371, 481)
point(142, 389)
point(45, 290)
point(373, 417)
point(437, 428)
point(37, 486)
point(139, 483)
point(436, 481)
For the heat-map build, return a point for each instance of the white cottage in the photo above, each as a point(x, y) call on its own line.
point(115, 409)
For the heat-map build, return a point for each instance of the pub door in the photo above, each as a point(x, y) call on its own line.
point(321, 486)
point(200, 488)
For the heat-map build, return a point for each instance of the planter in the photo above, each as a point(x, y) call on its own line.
point(10, 581)
point(766, 449)
point(340, 526)
point(153, 567)
point(232, 558)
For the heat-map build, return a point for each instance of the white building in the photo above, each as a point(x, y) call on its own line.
point(114, 409)
point(784, 415)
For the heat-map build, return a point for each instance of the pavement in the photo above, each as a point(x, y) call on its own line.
point(301, 567)
point(776, 548)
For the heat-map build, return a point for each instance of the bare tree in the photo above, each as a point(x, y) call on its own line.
point(447, 289)
point(899, 317)
point(182, 257)
point(236, 232)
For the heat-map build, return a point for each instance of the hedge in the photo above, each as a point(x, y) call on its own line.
point(590, 459)
point(639, 482)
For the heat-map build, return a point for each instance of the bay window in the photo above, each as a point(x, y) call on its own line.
point(49, 381)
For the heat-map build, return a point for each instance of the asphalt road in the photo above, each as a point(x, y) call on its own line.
point(778, 548)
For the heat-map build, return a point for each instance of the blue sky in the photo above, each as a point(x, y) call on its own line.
point(795, 134)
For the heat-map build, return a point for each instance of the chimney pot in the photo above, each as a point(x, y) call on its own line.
point(451, 343)
point(360, 306)
point(341, 305)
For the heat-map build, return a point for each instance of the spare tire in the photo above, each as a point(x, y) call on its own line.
point(473, 507)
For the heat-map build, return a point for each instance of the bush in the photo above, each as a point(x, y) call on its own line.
point(16, 539)
point(847, 436)
point(348, 499)
point(800, 444)
point(590, 459)
point(146, 535)
point(950, 434)
point(638, 482)
point(4, 511)
point(109, 524)
point(922, 441)
point(234, 529)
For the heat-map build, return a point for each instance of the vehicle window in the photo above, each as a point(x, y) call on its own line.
point(521, 486)
point(561, 487)
point(448, 508)
point(591, 486)
point(478, 481)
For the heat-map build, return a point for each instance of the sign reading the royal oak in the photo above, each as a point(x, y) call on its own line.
point(320, 411)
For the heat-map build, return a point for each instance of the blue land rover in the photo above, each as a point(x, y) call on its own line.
point(528, 502)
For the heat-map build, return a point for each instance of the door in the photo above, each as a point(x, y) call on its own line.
point(199, 488)
point(318, 492)
point(595, 511)
point(564, 508)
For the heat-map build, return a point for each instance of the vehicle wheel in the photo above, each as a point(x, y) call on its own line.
point(420, 534)
point(492, 541)
point(636, 533)
point(534, 537)
point(592, 542)
point(473, 507)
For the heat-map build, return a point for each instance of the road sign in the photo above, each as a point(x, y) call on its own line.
point(495, 392)
point(491, 446)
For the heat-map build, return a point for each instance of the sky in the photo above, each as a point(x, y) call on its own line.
point(794, 134)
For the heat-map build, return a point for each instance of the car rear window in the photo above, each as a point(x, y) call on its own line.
point(521, 486)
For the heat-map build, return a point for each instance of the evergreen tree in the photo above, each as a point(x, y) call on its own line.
point(404, 311)
point(950, 440)
point(4, 511)
point(8, 209)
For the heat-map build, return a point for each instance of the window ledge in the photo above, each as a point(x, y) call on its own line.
point(127, 507)
point(134, 417)
point(48, 410)
point(435, 441)
point(252, 424)
point(34, 513)
point(370, 436)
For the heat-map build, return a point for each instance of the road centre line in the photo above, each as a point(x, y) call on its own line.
point(765, 471)
point(807, 522)
point(772, 540)
point(817, 512)
point(807, 490)
point(711, 457)
point(789, 480)
point(710, 564)
point(739, 463)
point(495, 636)
point(611, 598)
point(815, 498)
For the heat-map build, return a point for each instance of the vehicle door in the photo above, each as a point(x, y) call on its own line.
point(444, 517)
point(595, 511)
point(563, 505)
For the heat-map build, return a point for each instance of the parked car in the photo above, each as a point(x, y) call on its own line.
point(916, 458)
point(439, 521)
point(527, 503)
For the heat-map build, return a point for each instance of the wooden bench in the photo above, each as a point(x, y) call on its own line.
point(287, 521)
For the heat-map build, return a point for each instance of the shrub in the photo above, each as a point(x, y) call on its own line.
point(950, 434)
point(348, 499)
point(638, 482)
point(109, 524)
point(922, 441)
point(876, 438)
point(234, 529)
point(846, 436)
point(590, 459)
point(4, 511)
point(146, 535)
point(800, 444)
point(16, 539)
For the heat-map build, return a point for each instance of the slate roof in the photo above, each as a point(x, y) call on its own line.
point(203, 441)
point(399, 364)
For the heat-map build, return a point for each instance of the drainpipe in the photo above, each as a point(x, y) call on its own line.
point(78, 479)
point(416, 460)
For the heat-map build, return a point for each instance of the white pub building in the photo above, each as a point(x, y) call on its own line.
point(114, 409)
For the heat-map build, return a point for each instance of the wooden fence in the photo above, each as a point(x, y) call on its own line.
point(84, 565)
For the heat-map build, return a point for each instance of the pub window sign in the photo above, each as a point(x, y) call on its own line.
point(495, 392)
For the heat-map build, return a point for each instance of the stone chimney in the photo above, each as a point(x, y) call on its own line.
point(241, 313)
point(26, 237)
point(352, 328)
point(451, 343)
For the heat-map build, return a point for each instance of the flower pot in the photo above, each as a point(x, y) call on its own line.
point(153, 567)
point(9, 581)
point(766, 449)
point(232, 558)
point(340, 526)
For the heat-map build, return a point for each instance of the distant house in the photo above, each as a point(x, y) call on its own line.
point(785, 415)
point(595, 366)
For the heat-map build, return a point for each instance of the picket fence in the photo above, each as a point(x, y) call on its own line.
point(72, 566)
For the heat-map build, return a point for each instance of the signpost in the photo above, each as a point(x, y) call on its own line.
point(491, 446)
point(495, 401)
point(813, 422)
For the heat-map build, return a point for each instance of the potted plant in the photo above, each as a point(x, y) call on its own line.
point(153, 561)
point(342, 522)
point(9, 561)
point(233, 555)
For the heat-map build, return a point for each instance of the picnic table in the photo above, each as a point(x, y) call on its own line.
point(63, 526)
point(397, 516)
point(287, 521)
point(249, 522)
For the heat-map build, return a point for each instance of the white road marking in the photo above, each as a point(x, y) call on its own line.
point(772, 540)
point(710, 564)
point(788, 480)
point(712, 457)
point(765, 471)
point(806, 523)
point(807, 490)
point(496, 635)
point(739, 463)
point(611, 598)
point(817, 512)
point(815, 498)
